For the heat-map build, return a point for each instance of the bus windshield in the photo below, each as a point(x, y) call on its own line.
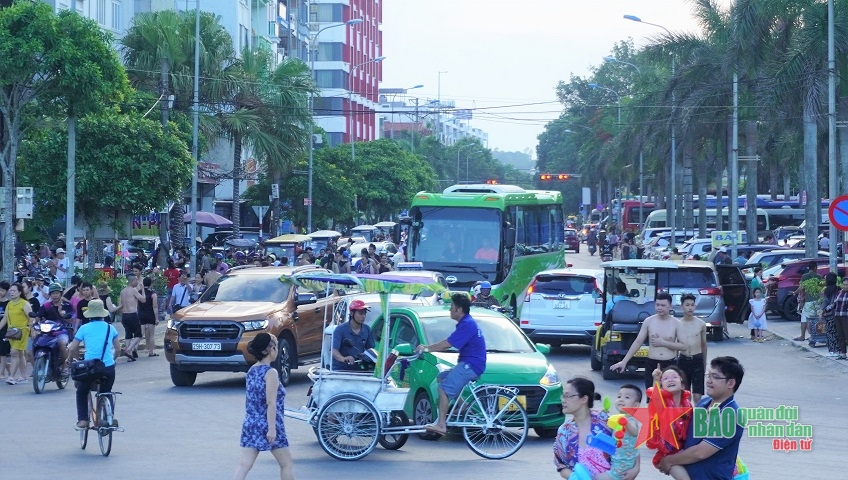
point(456, 234)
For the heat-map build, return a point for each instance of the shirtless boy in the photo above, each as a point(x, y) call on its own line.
point(662, 330)
point(131, 295)
point(692, 332)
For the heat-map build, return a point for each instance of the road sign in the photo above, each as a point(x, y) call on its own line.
point(838, 213)
point(307, 202)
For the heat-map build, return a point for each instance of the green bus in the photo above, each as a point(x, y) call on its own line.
point(503, 234)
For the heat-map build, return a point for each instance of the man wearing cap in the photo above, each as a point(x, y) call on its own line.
point(485, 299)
point(352, 338)
point(722, 258)
point(63, 264)
point(58, 310)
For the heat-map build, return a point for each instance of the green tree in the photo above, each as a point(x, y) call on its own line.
point(120, 161)
point(44, 59)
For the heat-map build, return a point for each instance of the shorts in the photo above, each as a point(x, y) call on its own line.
point(132, 327)
point(651, 364)
point(454, 380)
point(5, 348)
point(693, 367)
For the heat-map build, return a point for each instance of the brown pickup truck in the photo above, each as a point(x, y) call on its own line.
point(212, 334)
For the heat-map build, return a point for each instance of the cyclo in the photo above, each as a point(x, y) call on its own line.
point(350, 412)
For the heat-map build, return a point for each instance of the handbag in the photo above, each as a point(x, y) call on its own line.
point(14, 334)
point(88, 370)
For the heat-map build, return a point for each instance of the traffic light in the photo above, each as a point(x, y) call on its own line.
point(491, 182)
point(557, 176)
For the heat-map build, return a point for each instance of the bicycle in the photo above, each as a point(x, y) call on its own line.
point(102, 420)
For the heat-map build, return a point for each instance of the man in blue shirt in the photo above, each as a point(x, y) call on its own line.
point(712, 458)
point(467, 338)
point(352, 338)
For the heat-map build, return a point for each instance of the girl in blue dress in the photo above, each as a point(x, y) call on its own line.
point(263, 420)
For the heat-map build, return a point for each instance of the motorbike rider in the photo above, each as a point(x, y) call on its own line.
point(484, 298)
point(59, 310)
point(352, 338)
point(592, 240)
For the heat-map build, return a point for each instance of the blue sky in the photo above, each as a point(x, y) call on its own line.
point(505, 58)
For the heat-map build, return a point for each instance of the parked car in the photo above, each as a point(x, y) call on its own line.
point(696, 246)
point(572, 242)
point(562, 306)
point(800, 243)
point(721, 293)
point(742, 248)
point(659, 243)
point(770, 258)
point(512, 360)
point(781, 285)
point(781, 233)
point(212, 334)
point(647, 234)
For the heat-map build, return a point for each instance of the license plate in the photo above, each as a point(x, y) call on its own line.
point(206, 346)
point(642, 352)
point(522, 399)
point(562, 304)
point(675, 299)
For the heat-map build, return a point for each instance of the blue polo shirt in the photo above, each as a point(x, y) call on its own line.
point(93, 335)
point(468, 339)
point(720, 465)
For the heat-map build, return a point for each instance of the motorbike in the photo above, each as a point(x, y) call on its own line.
point(47, 362)
point(592, 249)
point(606, 253)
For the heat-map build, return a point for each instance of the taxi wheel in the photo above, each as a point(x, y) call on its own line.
point(424, 413)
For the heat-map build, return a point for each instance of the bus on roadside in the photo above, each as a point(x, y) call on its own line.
point(502, 234)
point(657, 219)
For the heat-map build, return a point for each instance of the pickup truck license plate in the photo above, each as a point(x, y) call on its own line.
point(206, 346)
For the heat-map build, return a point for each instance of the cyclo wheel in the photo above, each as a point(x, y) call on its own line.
point(348, 427)
point(500, 423)
point(104, 425)
point(394, 441)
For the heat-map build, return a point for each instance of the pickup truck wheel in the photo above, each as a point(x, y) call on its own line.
point(181, 378)
point(283, 362)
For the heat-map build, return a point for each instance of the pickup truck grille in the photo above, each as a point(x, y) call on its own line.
point(210, 331)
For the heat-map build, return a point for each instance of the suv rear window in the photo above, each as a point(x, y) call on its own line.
point(687, 278)
point(566, 284)
point(247, 288)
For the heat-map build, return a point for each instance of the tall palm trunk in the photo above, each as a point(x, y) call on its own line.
point(751, 140)
point(165, 223)
point(809, 180)
point(236, 218)
point(688, 204)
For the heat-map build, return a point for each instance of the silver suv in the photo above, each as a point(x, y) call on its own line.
point(721, 293)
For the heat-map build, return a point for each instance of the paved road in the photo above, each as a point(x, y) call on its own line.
point(192, 433)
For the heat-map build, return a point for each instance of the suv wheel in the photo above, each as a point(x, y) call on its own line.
point(790, 308)
point(283, 361)
point(181, 378)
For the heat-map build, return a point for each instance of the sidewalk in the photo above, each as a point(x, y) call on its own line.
point(787, 330)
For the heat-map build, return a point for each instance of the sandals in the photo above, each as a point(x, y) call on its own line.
point(153, 355)
point(81, 425)
point(432, 427)
point(799, 339)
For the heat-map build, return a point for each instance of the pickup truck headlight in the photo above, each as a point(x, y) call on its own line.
point(255, 325)
point(550, 377)
point(174, 324)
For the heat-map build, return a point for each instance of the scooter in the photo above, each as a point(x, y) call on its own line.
point(47, 363)
point(606, 253)
point(592, 249)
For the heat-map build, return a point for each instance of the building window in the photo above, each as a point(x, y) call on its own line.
point(101, 12)
point(244, 40)
point(328, 106)
point(324, 12)
point(331, 79)
point(335, 138)
point(116, 15)
point(330, 52)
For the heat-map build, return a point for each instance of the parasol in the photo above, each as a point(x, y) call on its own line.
point(290, 238)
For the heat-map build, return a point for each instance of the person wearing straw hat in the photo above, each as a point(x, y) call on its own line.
point(104, 293)
point(95, 335)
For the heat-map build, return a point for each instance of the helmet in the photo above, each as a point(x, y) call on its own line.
point(358, 305)
point(485, 285)
point(219, 256)
point(55, 287)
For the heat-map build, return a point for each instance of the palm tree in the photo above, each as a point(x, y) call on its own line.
point(265, 111)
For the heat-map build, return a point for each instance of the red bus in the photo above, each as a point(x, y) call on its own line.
point(630, 214)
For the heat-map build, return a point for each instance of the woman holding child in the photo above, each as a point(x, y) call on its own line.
point(570, 446)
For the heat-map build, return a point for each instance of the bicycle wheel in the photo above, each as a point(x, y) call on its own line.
point(394, 441)
point(500, 423)
point(104, 425)
point(39, 374)
point(84, 432)
point(348, 427)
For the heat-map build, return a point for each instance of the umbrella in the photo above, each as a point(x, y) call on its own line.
point(325, 234)
point(290, 238)
point(208, 219)
point(241, 242)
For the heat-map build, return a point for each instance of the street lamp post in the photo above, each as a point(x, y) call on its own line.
point(350, 105)
point(641, 164)
point(671, 213)
point(313, 43)
point(392, 101)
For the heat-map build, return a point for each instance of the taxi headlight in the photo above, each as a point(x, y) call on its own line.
point(550, 377)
